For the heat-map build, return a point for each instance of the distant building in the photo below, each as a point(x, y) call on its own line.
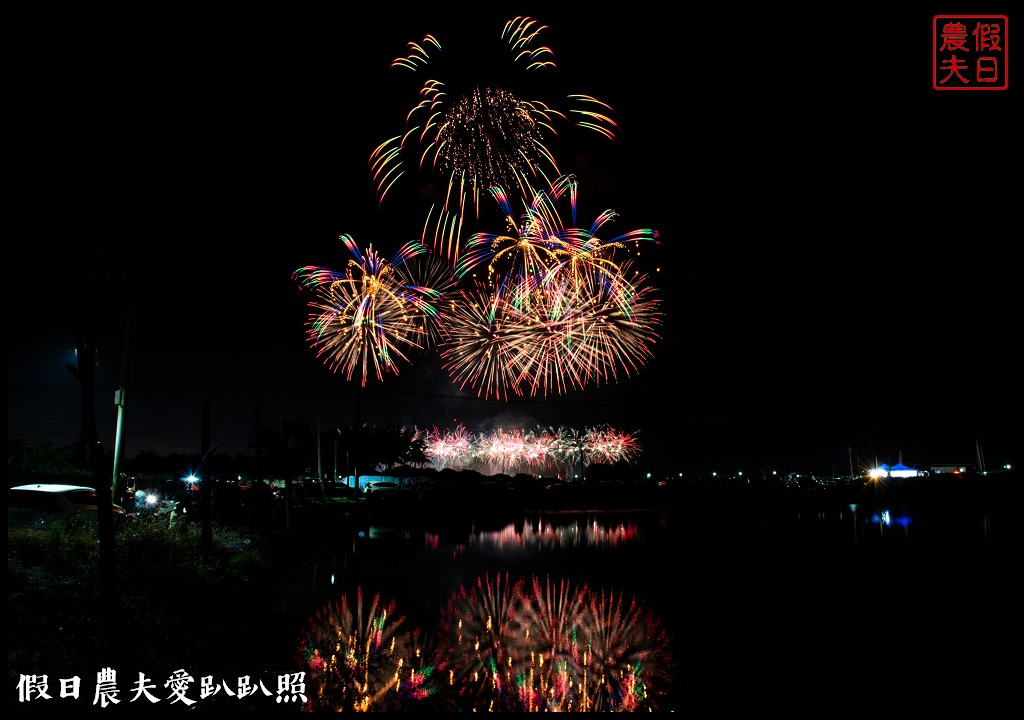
point(948, 469)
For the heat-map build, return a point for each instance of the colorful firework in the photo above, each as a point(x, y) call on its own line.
point(570, 338)
point(556, 311)
point(427, 275)
point(450, 448)
point(445, 233)
point(512, 450)
point(516, 450)
point(608, 445)
point(582, 336)
point(545, 248)
point(489, 137)
point(361, 658)
point(481, 133)
point(369, 315)
point(479, 342)
point(568, 447)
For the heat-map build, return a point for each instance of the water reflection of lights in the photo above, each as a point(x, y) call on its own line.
point(887, 519)
point(539, 533)
point(359, 655)
point(508, 644)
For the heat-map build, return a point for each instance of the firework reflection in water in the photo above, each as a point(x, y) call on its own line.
point(475, 634)
point(362, 658)
point(551, 646)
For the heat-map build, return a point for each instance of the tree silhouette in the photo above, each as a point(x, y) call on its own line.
point(381, 447)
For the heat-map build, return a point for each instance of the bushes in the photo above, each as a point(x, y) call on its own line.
point(165, 581)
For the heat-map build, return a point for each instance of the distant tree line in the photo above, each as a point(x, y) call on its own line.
point(290, 452)
point(270, 454)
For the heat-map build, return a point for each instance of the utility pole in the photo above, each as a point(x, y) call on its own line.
point(117, 487)
point(85, 373)
point(356, 435)
point(257, 483)
point(205, 489)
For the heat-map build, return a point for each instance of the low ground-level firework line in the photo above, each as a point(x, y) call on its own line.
point(539, 450)
point(510, 644)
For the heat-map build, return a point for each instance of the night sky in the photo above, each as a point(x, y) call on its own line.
point(835, 259)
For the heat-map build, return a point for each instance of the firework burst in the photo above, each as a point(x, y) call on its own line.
point(544, 249)
point(428, 279)
point(371, 314)
point(608, 445)
point(481, 338)
point(450, 448)
point(556, 310)
point(511, 450)
point(517, 450)
point(476, 133)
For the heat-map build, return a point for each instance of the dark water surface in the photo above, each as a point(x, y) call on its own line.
point(815, 605)
point(421, 563)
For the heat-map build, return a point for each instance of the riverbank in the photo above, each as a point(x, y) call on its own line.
point(787, 596)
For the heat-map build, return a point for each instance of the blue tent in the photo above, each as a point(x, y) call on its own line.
point(901, 470)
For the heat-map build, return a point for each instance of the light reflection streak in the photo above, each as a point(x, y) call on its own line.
point(571, 534)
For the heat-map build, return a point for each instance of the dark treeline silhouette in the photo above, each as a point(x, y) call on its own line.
point(291, 452)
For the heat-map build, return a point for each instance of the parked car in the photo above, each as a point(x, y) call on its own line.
point(40, 503)
point(380, 489)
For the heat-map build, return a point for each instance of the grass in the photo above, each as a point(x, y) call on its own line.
point(177, 605)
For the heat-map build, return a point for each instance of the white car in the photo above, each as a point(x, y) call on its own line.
point(39, 503)
point(381, 489)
